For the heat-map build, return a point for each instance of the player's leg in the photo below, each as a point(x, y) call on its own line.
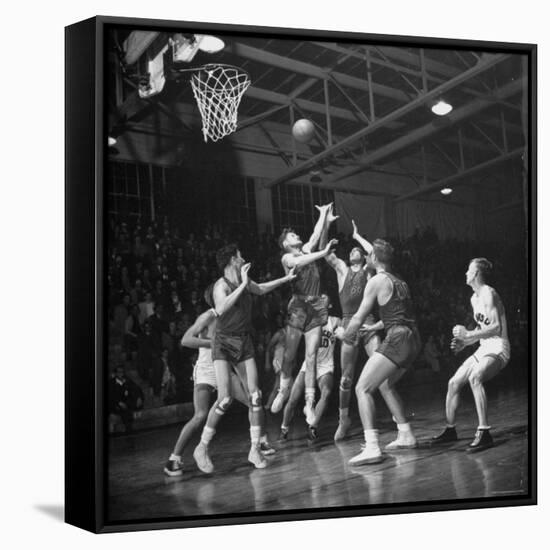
point(348, 357)
point(488, 367)
point(377, 369)
point(405, 437)
point(256, 411)
point(273, 392)
point(240, 393)
point(292, 341)
point(218, 409)
point(295, 395)
point(452, 399)
point(201, 403)
point(312, 342)
point(326, 382)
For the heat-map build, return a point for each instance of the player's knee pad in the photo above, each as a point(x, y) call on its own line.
point(345, 383)
point(224, 404)
point(256, 400)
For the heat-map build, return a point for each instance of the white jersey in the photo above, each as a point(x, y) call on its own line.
point(204, 372)
point(494, 345)
point(325, 354)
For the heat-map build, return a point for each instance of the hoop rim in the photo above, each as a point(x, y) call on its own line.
point(209, 66)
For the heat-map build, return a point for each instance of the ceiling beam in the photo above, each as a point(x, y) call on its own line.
point(486, 62)
point(308, 69)
point(427, 130)
point(455, 179)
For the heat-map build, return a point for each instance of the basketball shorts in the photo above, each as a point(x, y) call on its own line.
point(495, 347)
point(401, 345)
point(204, 373)
point(233, 348)
point(322, 369)
point(307, 312)
point(357, 338)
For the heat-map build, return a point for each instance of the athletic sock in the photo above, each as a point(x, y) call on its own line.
point(207, 435)
point(344, 413)
point(283, 427)
point(284, 383)
point(263, 439)
point(310, 396)
point(405, 427)
point(451, 426)
point(174, 457)
point(255, 434)
point(371, 437)
point(484, 427)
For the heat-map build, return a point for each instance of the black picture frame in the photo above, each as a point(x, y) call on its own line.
point(85, 234)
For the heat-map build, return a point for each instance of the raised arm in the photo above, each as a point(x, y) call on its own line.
point(369, 299)
point(263, 288)
point(311, 245)
point(224, 298)
point(491, 328)
point(332, 259)
point(192, 338)
point(290, 261)
point(367, 247)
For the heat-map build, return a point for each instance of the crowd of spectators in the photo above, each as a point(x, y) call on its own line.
point(157, 275)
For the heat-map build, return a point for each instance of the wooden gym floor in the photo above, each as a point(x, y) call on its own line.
point(304, 475)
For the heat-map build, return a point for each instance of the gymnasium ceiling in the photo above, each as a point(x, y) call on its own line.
point(370, 104)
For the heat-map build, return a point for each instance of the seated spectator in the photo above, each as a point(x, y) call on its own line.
point(125, 397)
point(146, 308)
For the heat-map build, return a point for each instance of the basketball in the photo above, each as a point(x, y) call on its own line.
point(303, 130)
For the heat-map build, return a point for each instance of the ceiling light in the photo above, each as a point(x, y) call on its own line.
point(209, 44)
point(446, 191)
point(441, 108)
point(111, 141)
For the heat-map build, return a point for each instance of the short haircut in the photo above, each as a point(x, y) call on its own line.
point(283, 235)
point(484, 266)
point(224, 255)
point(361, 251)
point(209, 295)
point(383, 251)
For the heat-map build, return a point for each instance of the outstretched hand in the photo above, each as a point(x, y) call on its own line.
point(323, 209)
point(244, 272)
point(291, 274)
point(330, 245)
point(330, 214)
point(355, 232)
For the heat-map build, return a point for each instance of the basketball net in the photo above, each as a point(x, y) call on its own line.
point(218, 90)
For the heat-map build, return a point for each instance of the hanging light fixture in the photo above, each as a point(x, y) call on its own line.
point(441, 108)
point(446, 191)
point(111, 141)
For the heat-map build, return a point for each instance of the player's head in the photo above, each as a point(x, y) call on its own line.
point(478, 269)
point(209, 295)
point(357, 256)
point(381, 255)
point(289, 239)
point(229, 256)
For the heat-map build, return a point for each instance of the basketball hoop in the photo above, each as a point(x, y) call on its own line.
point(218, 90)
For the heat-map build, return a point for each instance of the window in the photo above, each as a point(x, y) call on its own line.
point(294, 206)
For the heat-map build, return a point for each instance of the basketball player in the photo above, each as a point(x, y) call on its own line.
point(307, 309)
point(487, 361)
point(232, 345)
point(274, 360)
point(395, 354)
point(352, 280)
point(325, 381)
point(199, 336)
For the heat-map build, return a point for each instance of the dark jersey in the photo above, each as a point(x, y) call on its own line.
point(352, 291)
point(399, 308)
point(307, 281)
point(237, 319)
